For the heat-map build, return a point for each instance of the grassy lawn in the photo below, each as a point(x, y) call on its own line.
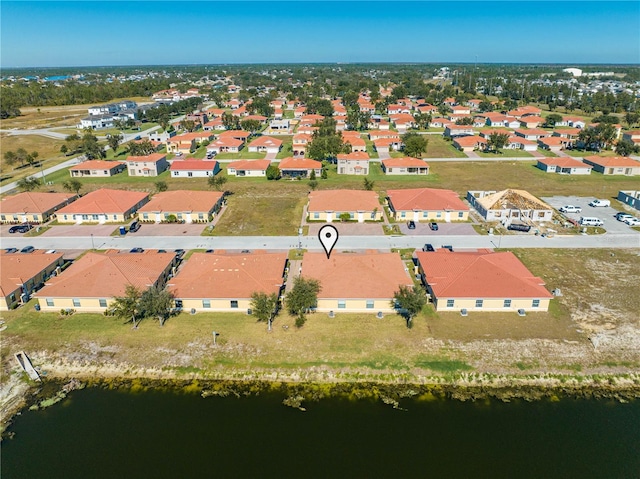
point(438, 147)
point(48, 152)
point(583, 153)
point(244, 154)
point(370, 149)
point(121, 180)
point(512, 153)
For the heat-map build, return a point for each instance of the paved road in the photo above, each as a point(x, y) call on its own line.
point(629, 240)
point(38, 174)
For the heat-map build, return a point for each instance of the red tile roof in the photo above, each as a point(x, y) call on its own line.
point(426, 199)
point(359, 276)
point(233, 276)
point(104, 201)
point(343, 200)
point(354, 156)
point(613, 161)
point(291, 163)
point(16, 269)
point(266, 141)
point(479, 275)
point(565, 162)
point(153, 157)
point(249, 165)
point(96, 165)
point(406, 162)
point(33, 202)
point(182, 201)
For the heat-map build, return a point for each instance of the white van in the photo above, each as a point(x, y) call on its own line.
point(590, 221)
point(598, 203)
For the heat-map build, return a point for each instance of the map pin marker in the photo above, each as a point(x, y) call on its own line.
point(328, 236)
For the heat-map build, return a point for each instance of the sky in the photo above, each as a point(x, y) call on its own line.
point(94, 33)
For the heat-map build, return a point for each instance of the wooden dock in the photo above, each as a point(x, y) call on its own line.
point(25, 364)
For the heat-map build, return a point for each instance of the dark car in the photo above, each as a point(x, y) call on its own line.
point(428, 247)
point(27, 249)
point(136, 250)
point(179, 252)
point(433, 226)
point(448, 246)
point(10, 250)
point(411, 225)
point(20, 228)
point(210, 251)
point(162, 251)
point(245, 251)
point(135, 226)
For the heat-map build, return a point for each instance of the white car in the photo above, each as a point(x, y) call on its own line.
point(632, 221)
point(570, 209)
point(598, 203)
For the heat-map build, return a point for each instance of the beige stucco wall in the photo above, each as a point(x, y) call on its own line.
point(403, 171)
point(431, 216)
point(217, 305)
point(86, 304)
point(492, 304)
point(335, 216)
point(355, 306)
point(191, 217)
point(119, 217)
point(24, 217)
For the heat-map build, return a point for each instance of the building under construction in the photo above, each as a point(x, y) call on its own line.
point(510, 205)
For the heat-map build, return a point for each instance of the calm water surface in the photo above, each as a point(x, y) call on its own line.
point(98, 433)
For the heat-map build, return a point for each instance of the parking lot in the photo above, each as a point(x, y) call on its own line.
point(349, 229)
point(443, 229)
point(606, 213)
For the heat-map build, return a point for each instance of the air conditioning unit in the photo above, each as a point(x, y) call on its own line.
point(249, 311)
point(332, 314)
point(193, 311)
point(463, 312)
point(379, 315)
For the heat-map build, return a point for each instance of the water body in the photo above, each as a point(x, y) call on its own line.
point(57, 78)
point(97, 433)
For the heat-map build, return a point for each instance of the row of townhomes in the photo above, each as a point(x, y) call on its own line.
point(221, 281)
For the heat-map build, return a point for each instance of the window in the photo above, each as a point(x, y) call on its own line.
point(316, 216)
point(94, 217)
point(342, 304)
point(166, 216)
point(3, 217)
point(369, 303)
point(234, 303)
point(351, 215)
point(535, 303)
point(65, 217)
point(206, 303)
point(103, 303)
point(50, 302)
point(190, 173)
point(425, 214)
point(85, 217)
point(76, 303)
point(507, 303)
point(179, 216)
point(35, 217)
point(450, 303)
point(176, 173)
point(15, 217)
point(460, 214)
point(200, 216)
point(373, 215)
point(479, 303)
point(12, 297)
point(115, 217)
point(145, 216)
point(403, 214)
point(439, 214)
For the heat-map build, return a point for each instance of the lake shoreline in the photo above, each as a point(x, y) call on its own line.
point(303, 386)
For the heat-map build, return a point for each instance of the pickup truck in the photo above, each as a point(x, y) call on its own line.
point(598, 203)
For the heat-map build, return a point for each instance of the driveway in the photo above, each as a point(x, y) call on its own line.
point(80, 230)
point(444, 229)
point(606, 214)
point(349, 229)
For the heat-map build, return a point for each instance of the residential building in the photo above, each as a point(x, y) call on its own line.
point(614, 165)
point(248, 168)
point(532, 134)
point(531, 121)
point(32, 207)
point(469, 143)
point(426, 204)
point(405, 166)
point(226, 281)
point(21, 274)
point(355, 163)
point(187, 142)
point(633, 136)
point(329, 205)
point(97, 168)
point(237, 134)
point(300, 143)
point(299, 167)
point(194, 168)
point(181, 205)
point(453, 130)
point(480, 281)
point(509, 205)
point(149, 165)
point(631, 198)
point(103, 206)
point(564, 166)
point(92, 282)
point(356, 282)
point(225, 145)
point(385, 145)
point(265, 144)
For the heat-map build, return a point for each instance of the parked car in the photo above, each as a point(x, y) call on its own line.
point(433, 226)
point(135, 226)
point(245, 251)
point(411, 224)
point(428, 247)
point(448, 246)
point(10, 250)
point(623, 216)
point(179, 252)
point(570, 209)
point(27, 249)
point(162, 251)
point(590, 221)
point(20, 228)
point(210, 251)
point(632, 221)
point(599, 203)
point(136, 250)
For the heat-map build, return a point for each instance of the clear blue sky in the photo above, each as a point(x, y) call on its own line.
point(88, 33)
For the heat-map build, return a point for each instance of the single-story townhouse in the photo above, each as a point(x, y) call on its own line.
point(355, 163)
point(194, 168)
point(384, 145)
point(531, 121)
point(568, 133)
point(93, 281)
point(307, 130)
point(148, 165)
point(405, 166)
point(520, 143)
point(32, 207)
point(461, 110)
point(328, 205)
point(376, 135)
point(480, 281)
point(357, 143)
point(532, 134)
point(614, 165)
point(95, 168)
point(21, 274)
point(524, 111)
point(426, 204)
point(564, 165)
point(237, 134)
point(469, 143)
point(248, 168)
point(299, 167)
point(356, 282)
point(395, 109)
point(214, 124)
point(185, 205)
point(265, 144)
point(280, 124)
point(631, 198)
point(452, 131)
point(225, 281)
point(187, 142)
point(553, 143)
point(402, 121)
point(225, 145)
point(509, 205)
point(103, 206)
point(574, 121)
point(499, 120)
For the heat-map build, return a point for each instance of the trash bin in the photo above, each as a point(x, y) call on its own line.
point(37, 306)
point(123, 230)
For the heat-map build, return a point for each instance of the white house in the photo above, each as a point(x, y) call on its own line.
point(192, 168)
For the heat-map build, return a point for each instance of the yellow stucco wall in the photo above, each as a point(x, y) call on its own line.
point(86, 304)
point(492, 304)
point(322, 216)
point(431, 216)
point(110, 219)
point(216, 305)
point(355, 306)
